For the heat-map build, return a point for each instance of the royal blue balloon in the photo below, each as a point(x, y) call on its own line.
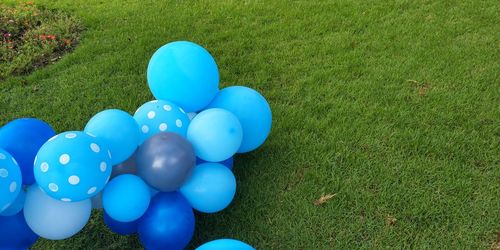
point(216, 135)
point(17, 205)
point(53, 219)
point(122, 228)
point(161, 116)
point(126, 198)
point(29, 134)
point(225, 244)
point(252, 111)
point(228, 163)
point(10, 180)
point(73, 166)
point(210, 188)
point(168, 223)
point(184, 73)
point(118, 130)
point(15, 233)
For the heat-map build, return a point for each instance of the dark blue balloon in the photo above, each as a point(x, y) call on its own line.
point(22, 138)
point(15, 233)
point(228, 163)
point(123, 228)
point(168, 223)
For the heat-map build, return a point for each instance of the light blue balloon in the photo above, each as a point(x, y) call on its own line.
point(17, 205)
point(210, 188)
point(118, 130)
point(73, 166)
point(216, 135)
point(10, 179)
point(53, 219)
point(184, 73)
point(225, 244)
point(252, 111)
point(161, 116)
point(126, 198)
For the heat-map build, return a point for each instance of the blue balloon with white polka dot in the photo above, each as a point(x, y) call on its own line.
point(73, 166)
point(10, 179)
point(161, 116)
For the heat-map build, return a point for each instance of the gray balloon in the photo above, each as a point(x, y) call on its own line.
point(127, 167)
point(165, 161)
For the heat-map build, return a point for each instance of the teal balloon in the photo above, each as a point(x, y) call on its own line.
point(126, 198)
point(184, 73)
point(225, 244)
point(118, 130)
point(211, 187)
point(53, 219)
point(10, 179)
point(252, 111)
point(216, 135)
point(17, 205)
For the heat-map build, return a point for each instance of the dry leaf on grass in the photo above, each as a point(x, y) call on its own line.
point(323, 199)
point(390, 221)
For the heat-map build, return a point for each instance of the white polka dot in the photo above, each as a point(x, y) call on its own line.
point(151, 114)
point(103, 166)
point(163, 127)
point(14, 160)
point(109, 154)
point(167, 107)
point(5, 207)
point(92, 190)
point(145, 129)
point(154, 101)
point(12, 187)
point(178, 123)
point(182, 110)
point(70, 135)
point(95, 147)
point(92, 135)
point(66, 199)
point(74, 180)
point(2, 156)
point(107, 180)
point(53, 137)
point(36, 157)
point(53, 187)
point(4, 173)
point(64, 159)
point(44, 167)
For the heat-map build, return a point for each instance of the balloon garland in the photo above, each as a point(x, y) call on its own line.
point(148, 171)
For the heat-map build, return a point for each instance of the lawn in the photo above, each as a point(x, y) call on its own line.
point(393, 107)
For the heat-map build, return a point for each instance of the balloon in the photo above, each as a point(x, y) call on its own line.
point(210, 188)
point(53, 219)
point(225, 244)
point(118, 130)
point(152, 191)
point(127, 167)
point(168, 223)
point(191, 115)
point(161, 116)
point(10, 179)
point(216, 134)
point(165, 161)
point(73, 166)
point(228, 163)
point(185, 73)
point(123, 228)
point(252, 111)
point(15, 233)
point(29, 134)
point(126, 198)
point(17, 205)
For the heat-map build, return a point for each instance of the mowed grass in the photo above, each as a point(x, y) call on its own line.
point(393, 106)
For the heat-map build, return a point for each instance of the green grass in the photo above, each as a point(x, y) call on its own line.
point(392, 105)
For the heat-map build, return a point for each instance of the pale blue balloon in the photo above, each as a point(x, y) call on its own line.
point(118, 130)
point(252, 111)
point(17, 205)
point(161, 116)
point(10, 179)
point(211, 187)
point(225, 244)
point(53, 219)
point(184, 73)
point(216, 134)
point(126, 198)
point(73, 166)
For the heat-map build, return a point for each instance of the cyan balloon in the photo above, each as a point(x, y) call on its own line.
point(17, 205)
point(10, 180)
point(29, 134)
point(216, 134)
point(122, 228)
point(210, 188)
point(53, 219)
point(15, 233)
point(184, 73)
point(118, 130)
point(252, 111)
point(126, 198)
point(225, 244)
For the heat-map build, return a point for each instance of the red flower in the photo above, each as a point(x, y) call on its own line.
point(6, 35)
